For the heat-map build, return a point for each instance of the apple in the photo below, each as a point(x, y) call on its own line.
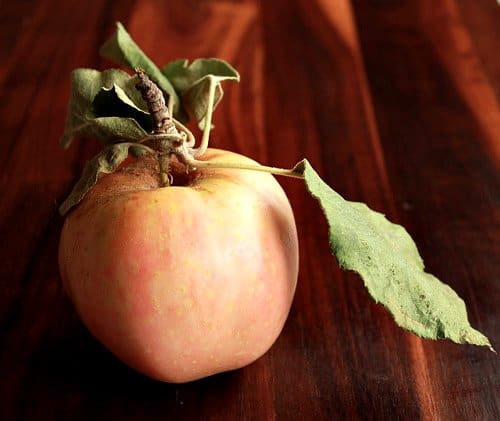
point(185, 281)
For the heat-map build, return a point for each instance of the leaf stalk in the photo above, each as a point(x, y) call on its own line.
point(202, 148)
point(196, 164)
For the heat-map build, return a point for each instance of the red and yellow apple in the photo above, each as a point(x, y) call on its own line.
point(185, 281)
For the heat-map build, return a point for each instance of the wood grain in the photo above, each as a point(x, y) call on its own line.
point(396, 103)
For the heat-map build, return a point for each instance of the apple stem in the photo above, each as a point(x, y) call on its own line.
point(194, 164)
point(155, 101)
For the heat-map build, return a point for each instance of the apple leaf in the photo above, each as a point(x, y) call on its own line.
point(116, 129)
point(104, 162)
point(122, 49)
point(114, 102)
point(83, 118)
point(387, 259)
point(192, 83)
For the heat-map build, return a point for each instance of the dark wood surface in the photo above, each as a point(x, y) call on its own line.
point(396, 103)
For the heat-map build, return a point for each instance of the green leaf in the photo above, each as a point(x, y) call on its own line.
point(116, 129)
point(105, 162)
point(122, 49)
point(114, 102)
point(387, 259)
point(192, 82)
point(82, 119)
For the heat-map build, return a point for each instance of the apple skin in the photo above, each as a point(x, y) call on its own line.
point(182, 282)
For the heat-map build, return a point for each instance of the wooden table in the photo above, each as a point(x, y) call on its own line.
point(396, 103)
